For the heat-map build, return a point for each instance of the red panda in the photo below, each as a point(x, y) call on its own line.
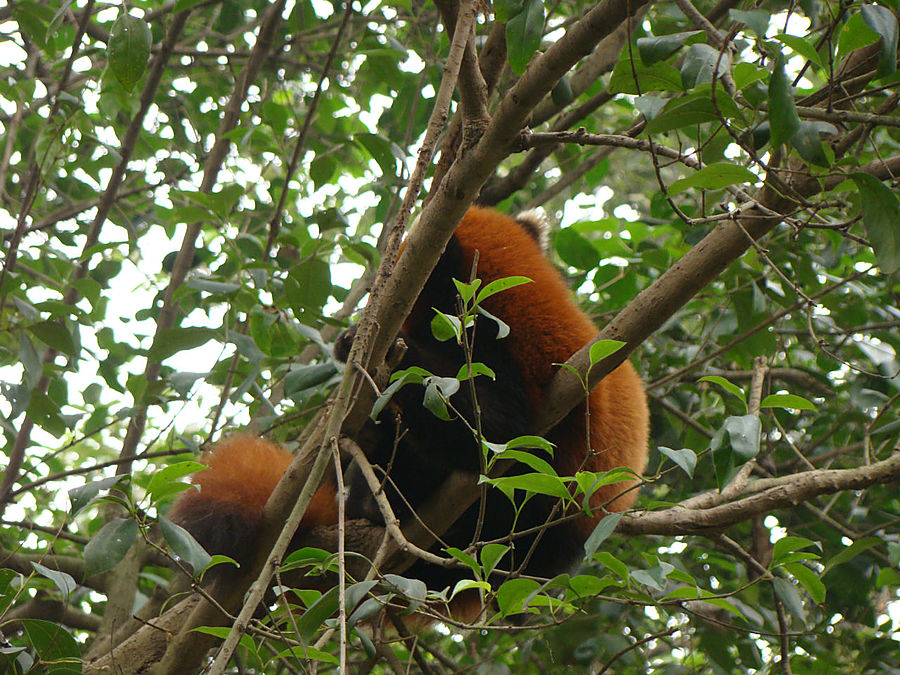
point(545, 328)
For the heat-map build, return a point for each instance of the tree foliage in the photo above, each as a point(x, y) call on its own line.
point(195, 197)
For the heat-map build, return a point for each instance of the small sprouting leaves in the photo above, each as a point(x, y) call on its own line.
point(881, 214)
point(128, 49)
point(491, 555)
point(783, 119)
point(603, 348)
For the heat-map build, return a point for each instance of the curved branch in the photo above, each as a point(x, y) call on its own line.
point(703, 515)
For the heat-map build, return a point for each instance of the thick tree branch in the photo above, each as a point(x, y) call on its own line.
point(706, 515)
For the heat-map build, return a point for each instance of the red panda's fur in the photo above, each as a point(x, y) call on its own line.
point(546, 327)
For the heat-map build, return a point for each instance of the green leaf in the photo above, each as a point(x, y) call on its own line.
point(477, 369)
point(809, 579)
point(437, 391)
point(851, 552)
point(612, 563)
point(469, 584)
point(790, 401)
point(743, 432)
point(537, 483)
point(64, 582)
point(855, 34)
point(530, 460)
point(787, 593)
point(654, 577)
point(184, 545)
point(714, 177)
point(33, 20)
point(301, 378)
point(562, 94)
point(587, 585)
point(575, 250)
point(382, 151)
point(502, 328)
point(401, 379)
point(727, 386)
point(881, 215)
point(310, 284)
point(54, 334)
point(787, 545)
point(523, 35)
point(882, 21)
point(810, 146)
point(315, 615)
point(756, 20)
point(640, 78)
point(504, 10)
point(175, 340)
point(53, 645)
point(513, 595)
point(801, 46)
point(683, 113)
point(81, 496)
point(601, 532)
point(534, 442)
point(499, 285)
point(465, 559)
point(700, 63)
point(211, 286)
point(30, 360)
point(655, 48)
point(783, 119)
point(109, 545)
point(247, 347)
point(164, 482)
point(603, 348)
point(446, 327)
point(128, 49)
point(685, 458)
point(411, 589)
point(466, 291)
point(492, 554)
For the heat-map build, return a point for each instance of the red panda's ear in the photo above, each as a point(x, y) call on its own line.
point(535, 223)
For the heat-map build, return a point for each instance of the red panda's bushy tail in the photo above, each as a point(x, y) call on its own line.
point(225, 514)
